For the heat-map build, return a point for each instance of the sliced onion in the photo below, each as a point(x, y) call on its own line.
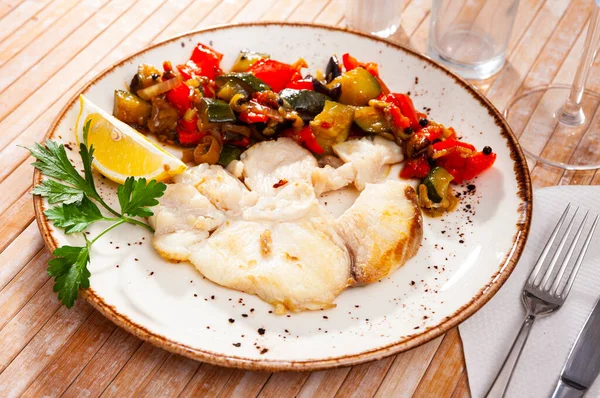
point(159, 88)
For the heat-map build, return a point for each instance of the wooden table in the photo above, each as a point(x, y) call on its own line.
point(50, 48)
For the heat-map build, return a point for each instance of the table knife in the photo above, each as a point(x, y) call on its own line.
point(583, 364)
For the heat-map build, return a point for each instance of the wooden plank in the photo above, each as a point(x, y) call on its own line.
point(364, 379)
point(324, 383)
point(462, 388)
point(208, 381)
point(19, 53)
point(6, 7)
point(24, 285)
point(21, 372)
point(105, 365)
point(19, 252)
point(253, 10)
point(333, 13)
point(445, 369)
point(284, 384)
point(281, 10)
point(187, 20)
point(20, 14)
point(33, 28)
point(14, 220)
point(171, 378)
point(243, 384)
point(137, 372)
point(223, 13)
point(14, 186)
point(407, 370)
point(72, 358)
point(307, 11)
point(27, 323)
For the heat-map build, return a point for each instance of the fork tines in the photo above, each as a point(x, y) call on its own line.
point(541, 276)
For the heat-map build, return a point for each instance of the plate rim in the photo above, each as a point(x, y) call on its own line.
point(505, 269)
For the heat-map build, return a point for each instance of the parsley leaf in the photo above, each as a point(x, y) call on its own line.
point(58, 193)
point(135, 196)
point(70, 272)
point(74, 218)
point(53, 161)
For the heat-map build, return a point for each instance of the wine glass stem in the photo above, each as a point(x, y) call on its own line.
point(572, 113)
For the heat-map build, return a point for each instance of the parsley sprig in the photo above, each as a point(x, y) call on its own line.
point(76, 201)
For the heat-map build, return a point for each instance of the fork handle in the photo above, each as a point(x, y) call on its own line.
point(500, 384)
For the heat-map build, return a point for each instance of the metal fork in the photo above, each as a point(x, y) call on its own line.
point(542, 294)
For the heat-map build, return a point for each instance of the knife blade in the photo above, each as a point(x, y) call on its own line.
point(583, 364)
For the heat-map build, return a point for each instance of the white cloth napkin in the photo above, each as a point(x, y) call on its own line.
point(488, 335)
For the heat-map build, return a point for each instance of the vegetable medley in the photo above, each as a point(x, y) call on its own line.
point(218, 115)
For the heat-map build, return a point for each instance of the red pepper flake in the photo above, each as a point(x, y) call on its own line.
point(326, 125)
point(280, 183)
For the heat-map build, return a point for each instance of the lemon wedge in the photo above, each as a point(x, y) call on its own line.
point(119, 150)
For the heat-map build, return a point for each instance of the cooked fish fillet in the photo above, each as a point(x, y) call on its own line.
point(382, 229)
point(225, 192)
point(269, 162)
point(182, 218)
point(297, 266)
point(325, 179)
point(370, 158)
point(293, 201)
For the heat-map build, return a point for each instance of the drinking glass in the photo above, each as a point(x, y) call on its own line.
point(562, 114)
point(470, 36)
point(378, 17)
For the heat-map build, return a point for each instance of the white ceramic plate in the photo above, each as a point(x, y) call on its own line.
point(465, 256)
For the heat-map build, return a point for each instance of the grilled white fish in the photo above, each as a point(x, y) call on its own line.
point(382, 229)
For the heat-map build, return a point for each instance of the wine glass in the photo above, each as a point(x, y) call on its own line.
point(563, 114)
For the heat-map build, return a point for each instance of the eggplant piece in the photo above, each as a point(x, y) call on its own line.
point(246, 80)
point(130, 108)
point(146, 76)
point(333, 69)
point(216, 111)
point(307, 103)
point(246, 59)
point(163, 117)
point(332, 92)
point(332, 125)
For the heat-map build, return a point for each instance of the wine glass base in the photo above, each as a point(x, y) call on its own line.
point(535, 118)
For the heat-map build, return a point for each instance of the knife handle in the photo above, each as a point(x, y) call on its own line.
point(563, 390)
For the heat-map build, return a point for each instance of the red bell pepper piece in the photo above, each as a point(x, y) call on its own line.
point(180, 98)
point(252, 117)
point(206, 61)
point(406, 106)
point(274, 73)
point(244, 142)
point(302, 84)
point(187, 131)
point(432, 133)
point(349, 62)
point(478, 163)
point(304, 137)
point(399, 120)
point(416, 168)
point(451, 143)
point(188, 139)
point(352, 63)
